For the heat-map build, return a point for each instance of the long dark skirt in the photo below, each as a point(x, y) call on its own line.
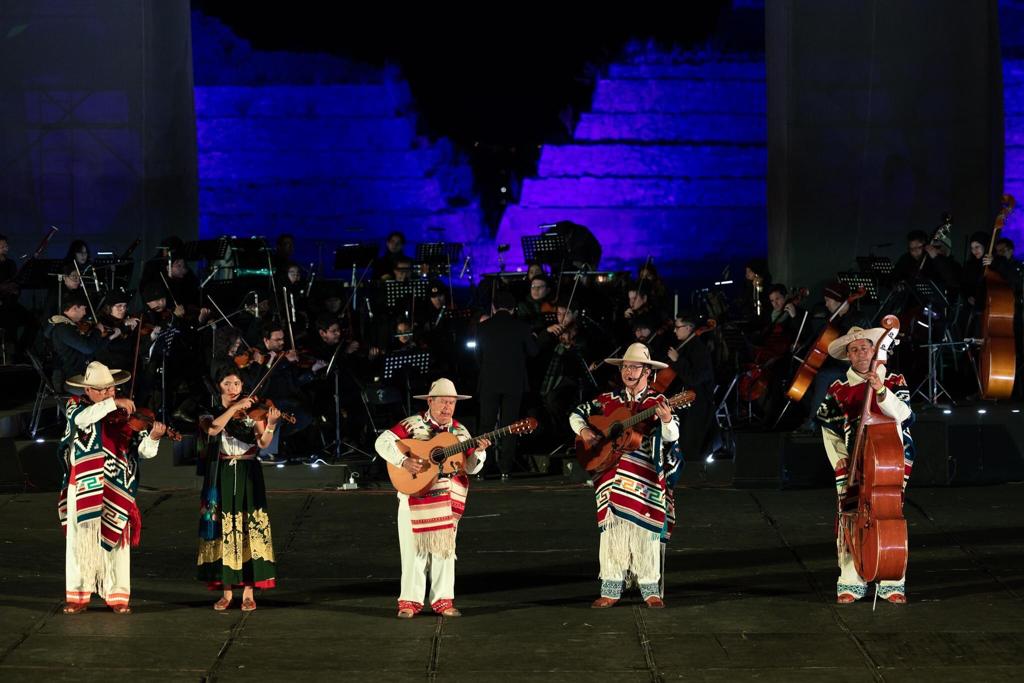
point(235, 546)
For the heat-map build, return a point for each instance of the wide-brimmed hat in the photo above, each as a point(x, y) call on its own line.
point(636, 353)
point(99, 376)
point(442, 388)
point(837, 349)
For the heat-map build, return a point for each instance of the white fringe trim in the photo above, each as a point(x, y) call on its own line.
point(440, 543)
point(622, 550)
point(89, 554)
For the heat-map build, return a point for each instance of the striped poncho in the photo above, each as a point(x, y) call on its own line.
point(98, 461)
point(638, 491)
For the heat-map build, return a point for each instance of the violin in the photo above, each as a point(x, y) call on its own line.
point(247, 357)
point(141, 419)
point(259, 409)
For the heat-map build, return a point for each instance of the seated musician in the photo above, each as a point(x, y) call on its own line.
point(692, 363)
point(70, 282)
point(939, 266)
point(635, 500)
point(842, 318)
point(185, 289)
point(13, 316)
point(538, 308)
point(427, 524)
point(839, 415)
point(402, 271)
point(567, 379)
point(284, 387)
point(231, 353)
point(650, 331)
point(113, 313)
point(1005, 264)
point(384, 266)
point(638, 305)
point(74, 349)
point(908, 266)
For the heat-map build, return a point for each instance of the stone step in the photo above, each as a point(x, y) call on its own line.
point(709, 128)
point(726, 71)
point(731, 97)
point(224, 134)
point(677, 161)
point(290, 164)
point(642, 192)
point(305, 101)
point(320, 196)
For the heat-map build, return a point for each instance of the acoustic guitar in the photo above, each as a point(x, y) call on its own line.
point(618, 435)
point(444, 454)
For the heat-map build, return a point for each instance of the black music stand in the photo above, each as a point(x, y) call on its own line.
point(439, 253)
point(552, 250)
point(395, 293)
point(934, 307)
point(869, 281)
point(210, 250)
point(406, 363)
point(882, 265)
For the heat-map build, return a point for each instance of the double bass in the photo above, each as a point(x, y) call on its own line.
point(874, 531)
point(998, 355)
point(818, 353)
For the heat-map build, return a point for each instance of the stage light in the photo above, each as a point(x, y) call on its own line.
point(42, 440)
point(280, 465)
point(710, 458)
point(315, 465)
point(947, 411)
point(471, 344)
point(1015, 410)
point(981, 411)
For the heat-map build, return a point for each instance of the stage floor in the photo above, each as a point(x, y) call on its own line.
point(750, 594)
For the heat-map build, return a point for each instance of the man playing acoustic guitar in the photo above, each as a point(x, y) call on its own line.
point(427, 522)
point(635, 503)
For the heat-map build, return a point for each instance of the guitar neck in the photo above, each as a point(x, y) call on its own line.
point(639, 417)
point(471, 443)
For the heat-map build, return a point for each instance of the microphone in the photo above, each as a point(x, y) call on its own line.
point(465, 265)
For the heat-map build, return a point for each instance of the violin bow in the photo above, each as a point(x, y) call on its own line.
point(273, 364)
point(85, 290)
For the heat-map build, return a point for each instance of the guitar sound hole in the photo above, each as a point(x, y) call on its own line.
point(436, 456)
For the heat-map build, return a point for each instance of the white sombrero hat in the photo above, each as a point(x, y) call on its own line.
point(99, 376)
point(442, 388)
point(837, 349)
point(636, 353)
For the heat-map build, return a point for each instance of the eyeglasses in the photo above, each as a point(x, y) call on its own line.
point(538, 286)
point(632, 366)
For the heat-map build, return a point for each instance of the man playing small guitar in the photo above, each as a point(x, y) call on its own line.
point(635, 504)
point(427, 522)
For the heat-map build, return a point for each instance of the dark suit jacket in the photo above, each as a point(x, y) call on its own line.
point(503, 343)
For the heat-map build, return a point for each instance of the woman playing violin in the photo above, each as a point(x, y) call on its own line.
point(235, 545)
point(113, 315)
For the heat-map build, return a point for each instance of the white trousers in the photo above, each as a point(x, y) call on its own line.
point(92, 569)
point(415, 568)
point(626, 549)
point(851, 582)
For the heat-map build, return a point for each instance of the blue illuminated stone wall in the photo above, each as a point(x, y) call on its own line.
point(1011, 29)
point(670, 161)
point(321, 148)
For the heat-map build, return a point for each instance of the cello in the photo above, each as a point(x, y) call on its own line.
point(818, 353)
point(756, 376)
point(875, 531)
point(998, 353)
point(665, 377)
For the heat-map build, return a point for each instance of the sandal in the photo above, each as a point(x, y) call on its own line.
point(248, 604)
point(121, 609)
point(222, 604)
point(655, 602)
point(603, 603)
point(406, 613)
point(897, 598)
point(75, 607)
point(451, 612)
point(846, 598)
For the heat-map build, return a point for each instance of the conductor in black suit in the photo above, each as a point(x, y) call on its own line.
point(503, 343)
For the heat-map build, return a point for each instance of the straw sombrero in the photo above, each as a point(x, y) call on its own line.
point(837, 349)
point(636, 353)
point(442, 388)
point(99, 376)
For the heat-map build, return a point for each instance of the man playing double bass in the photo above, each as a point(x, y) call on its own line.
point(839, 415)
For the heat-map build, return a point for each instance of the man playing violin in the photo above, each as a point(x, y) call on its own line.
point(97, 501)
point(75, 346)
point(635, 502)
point(839, 416)
point(284, 385)
point(427, 524)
